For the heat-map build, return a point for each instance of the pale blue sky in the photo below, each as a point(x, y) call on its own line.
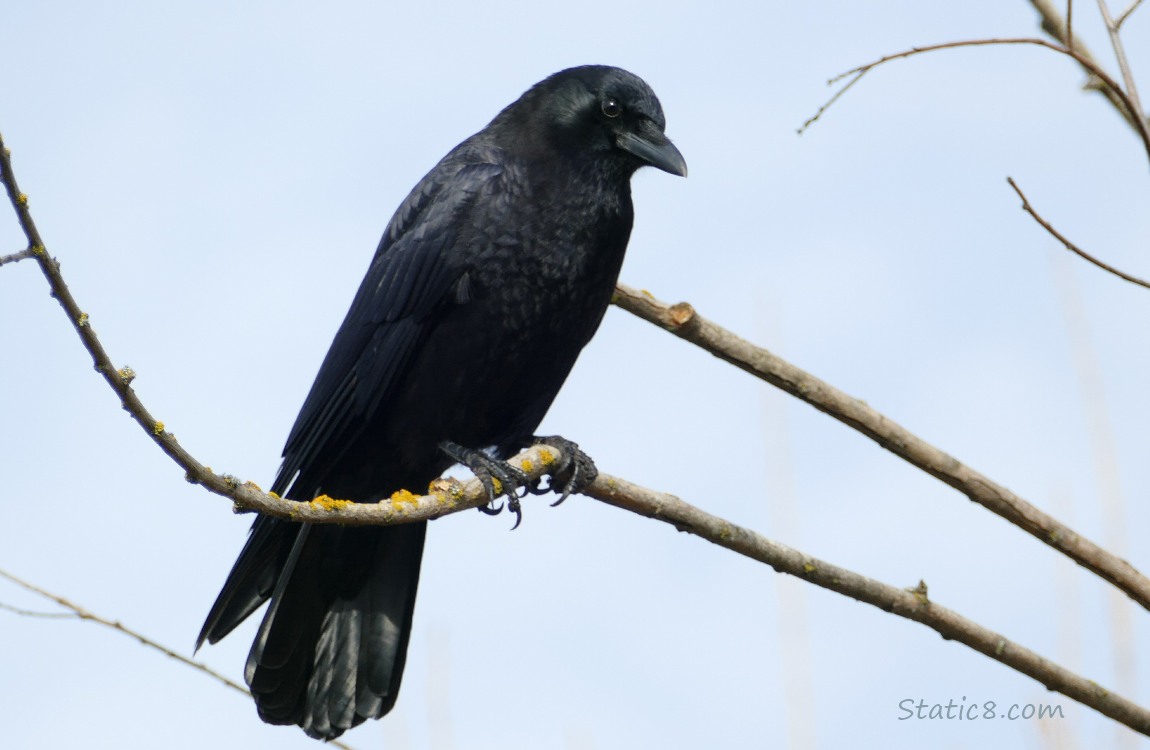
point(215, 180)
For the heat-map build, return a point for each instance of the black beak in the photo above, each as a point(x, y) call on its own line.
point(650, 145)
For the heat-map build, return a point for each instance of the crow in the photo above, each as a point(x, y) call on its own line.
point(491, 277)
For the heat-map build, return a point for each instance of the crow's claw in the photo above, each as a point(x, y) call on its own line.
point(575, 472)
point(488, 471)
point(490, 510)
point(514, 507)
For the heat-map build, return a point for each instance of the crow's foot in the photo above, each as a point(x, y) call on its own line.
point(488, 471)
point(576, 472)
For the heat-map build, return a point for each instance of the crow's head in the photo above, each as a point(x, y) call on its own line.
point(600, 112)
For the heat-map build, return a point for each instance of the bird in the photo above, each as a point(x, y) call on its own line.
point(490, 278)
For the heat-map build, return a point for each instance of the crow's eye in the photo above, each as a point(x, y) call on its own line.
point(612, 107)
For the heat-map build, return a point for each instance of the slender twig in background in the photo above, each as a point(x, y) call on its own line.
point(1126, 13)
point(913, 604)
point(75, 611)
point(1070, 245)
point(1109, 503)
point(14, 257)
point(44, 615)
point(1123, 64)
point(85, 614)
point(1054, 25)
point(1139, 124)
point(1070, 24)
point(682, 320)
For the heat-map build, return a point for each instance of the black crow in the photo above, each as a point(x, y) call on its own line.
point(490, 278)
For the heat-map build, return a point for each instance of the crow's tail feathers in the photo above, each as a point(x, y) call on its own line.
point(331, 649)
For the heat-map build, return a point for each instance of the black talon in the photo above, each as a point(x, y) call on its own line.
point(576, 472)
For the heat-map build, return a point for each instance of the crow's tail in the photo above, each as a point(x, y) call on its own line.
point(331, 649)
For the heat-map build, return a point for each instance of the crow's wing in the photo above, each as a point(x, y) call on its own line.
point(420, 258)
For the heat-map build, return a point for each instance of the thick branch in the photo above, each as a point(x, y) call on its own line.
point(1070, 245)
point(681, 320)
point(913, 604)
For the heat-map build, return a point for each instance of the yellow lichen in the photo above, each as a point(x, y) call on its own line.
point(82, 321)
point(527, 464)
point(808, 568)
point(401, 498)
point(158, 428)
point(127, 375)
point(274, 494)
point(38, 250)
point(329, 504)
point(250, 485)
point(546, 456)
point(22, 199)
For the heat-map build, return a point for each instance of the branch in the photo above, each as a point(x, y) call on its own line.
point(1126, 13)
point(78, 612)
point(1059, 30)
point(912, 604)
point(1139, 125)
point(15, 257)
point(450, 495)
point(1120, 53)
point(1070, 245)
point(681, 320)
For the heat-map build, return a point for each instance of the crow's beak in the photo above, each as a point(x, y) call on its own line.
point(650, 145)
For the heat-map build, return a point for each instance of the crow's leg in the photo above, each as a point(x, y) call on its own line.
point(576, 472)
point(488, 471)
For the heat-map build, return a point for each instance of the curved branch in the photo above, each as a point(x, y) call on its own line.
point(1070, 245)
point(1140, 126)
point(681, 320)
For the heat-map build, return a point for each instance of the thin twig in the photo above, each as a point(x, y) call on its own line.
point(1139, 124)
point(682, 320)
point(43, 615)
point(1126, 13)
point(814, 118)
point(1053, 24)
point(85, 614)
point(1070, 245)
point(78, 612)
point(1070, 24)
point(16, 257)
point(1123, 63)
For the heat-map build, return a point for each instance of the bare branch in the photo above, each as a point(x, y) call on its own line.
point(1070, 24)
point(1070, 245)
point(78, 612)
point(1123, 63)
point(1059, 30)
point(1126, 13)
point(85, 614)
point(43, 615)
point(1140, 126)
point(681, 320)
point(16, 257)
point(913, 604)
